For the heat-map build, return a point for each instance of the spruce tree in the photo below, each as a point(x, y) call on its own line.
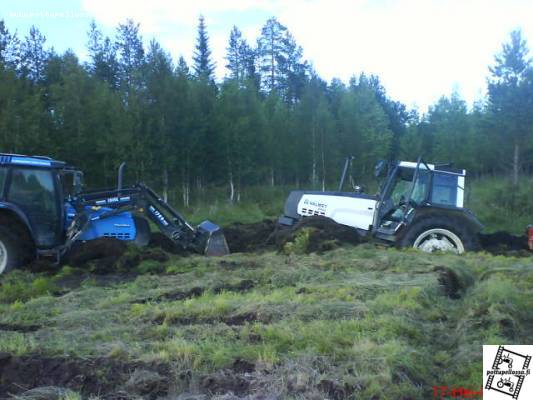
point(204, 67)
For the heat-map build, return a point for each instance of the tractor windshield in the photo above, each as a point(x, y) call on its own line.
point(403, 184)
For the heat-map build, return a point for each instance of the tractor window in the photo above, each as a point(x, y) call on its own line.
point(34, 192)
point(444, 189)
point(404, 183)
point(421, 186)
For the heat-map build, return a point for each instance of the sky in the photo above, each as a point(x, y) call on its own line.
point(420, 49)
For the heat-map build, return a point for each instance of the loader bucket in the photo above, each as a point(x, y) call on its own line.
point(212, 241)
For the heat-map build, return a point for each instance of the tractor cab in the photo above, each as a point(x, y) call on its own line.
point(31, 190)
point(411, 185)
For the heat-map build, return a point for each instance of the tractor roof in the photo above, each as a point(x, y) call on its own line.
point(30, 161)
point(435, 167)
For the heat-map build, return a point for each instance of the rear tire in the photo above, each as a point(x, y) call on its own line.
point(432, 234)
point(11, 254)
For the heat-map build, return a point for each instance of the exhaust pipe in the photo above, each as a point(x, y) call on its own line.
point(120, 176)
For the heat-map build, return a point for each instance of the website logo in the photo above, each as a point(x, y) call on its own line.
point(507, 372)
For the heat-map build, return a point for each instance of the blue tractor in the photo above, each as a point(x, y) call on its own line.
point(44, 211)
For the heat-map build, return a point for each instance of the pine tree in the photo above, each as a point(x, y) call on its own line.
point(270, 51)
point(280, 61)
point(33, 56)
point(293, 69)
point(9, 47)
point(103, 55)
point(511, 97)
point(130, 50)
point(204, 67)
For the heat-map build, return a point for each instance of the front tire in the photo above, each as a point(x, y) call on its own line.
point(10, 252)
point(437, 234)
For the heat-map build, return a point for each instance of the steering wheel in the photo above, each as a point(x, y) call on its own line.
point(404, 204)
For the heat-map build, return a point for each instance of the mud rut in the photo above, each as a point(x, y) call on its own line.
point(110, 262)
point(110, 255)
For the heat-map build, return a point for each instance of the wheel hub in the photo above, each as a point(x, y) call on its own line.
point(438, 239)
point(435, 244)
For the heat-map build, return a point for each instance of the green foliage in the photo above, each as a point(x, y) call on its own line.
point(300, 243)
point(150, 266)
point(21, 287)
point(499, 206)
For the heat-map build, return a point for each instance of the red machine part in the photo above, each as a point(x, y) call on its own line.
point(530, 237)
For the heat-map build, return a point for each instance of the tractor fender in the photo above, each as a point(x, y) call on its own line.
point(15, 213)
point(461, 216)
point(291, 204)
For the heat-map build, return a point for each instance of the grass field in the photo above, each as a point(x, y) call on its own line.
point(356, 322)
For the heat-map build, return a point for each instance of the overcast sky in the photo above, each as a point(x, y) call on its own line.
point(421, 49)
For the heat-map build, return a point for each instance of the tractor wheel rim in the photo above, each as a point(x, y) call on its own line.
point(438, 239)
point(3, 257)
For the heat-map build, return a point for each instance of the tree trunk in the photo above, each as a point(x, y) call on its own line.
point(165, 184)
point(323, 169)
point(185, 193)
point(185, 189)
point(314, 177)
point(231, 188)
point(516, 164)
point(239, 183)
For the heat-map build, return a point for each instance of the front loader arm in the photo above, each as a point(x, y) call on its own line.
point(206, 239)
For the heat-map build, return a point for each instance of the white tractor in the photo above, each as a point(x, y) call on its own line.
point(418, 205)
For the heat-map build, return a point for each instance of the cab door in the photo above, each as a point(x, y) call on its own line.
point(36, 192)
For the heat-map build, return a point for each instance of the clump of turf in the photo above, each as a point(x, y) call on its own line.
point(315, 234)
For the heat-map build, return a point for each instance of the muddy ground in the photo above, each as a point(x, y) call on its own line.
point(39, 377)
point(110, 260)
point(111, 255)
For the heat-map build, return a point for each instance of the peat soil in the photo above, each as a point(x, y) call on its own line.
point(108, 256)
point(324, 235)
point(38, 377)
point(48, 378)
point(107, 259)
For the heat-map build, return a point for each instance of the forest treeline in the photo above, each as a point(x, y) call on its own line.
point(271, 121)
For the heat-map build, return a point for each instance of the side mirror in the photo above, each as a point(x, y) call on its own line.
point(359, 189)
point(380, 170)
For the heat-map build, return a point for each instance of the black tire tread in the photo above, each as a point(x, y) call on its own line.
point(469, 238)
point(15, 252)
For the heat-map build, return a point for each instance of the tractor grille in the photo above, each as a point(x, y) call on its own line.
point(121, 236)
point(307, 211)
